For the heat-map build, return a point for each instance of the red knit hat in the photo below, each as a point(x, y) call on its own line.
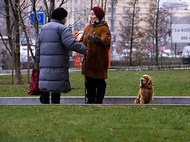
point(98, 12)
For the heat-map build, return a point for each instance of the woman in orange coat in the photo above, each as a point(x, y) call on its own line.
point(97, 38)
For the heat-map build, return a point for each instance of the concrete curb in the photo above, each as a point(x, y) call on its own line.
point(113, 100)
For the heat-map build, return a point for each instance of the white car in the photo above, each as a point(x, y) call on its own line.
point(186, 55)
point(24, 57)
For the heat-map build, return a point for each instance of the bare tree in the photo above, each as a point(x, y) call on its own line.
point(49, 6)
point(16, 14)
point(158, 29)
point(130, 30)
point(174, 18)
point(101, 3)
point(12, 23)
point(91, 5)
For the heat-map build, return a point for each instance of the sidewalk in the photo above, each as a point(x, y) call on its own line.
point(79, 100)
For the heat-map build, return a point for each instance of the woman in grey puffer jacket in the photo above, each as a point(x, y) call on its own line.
point(52, 52)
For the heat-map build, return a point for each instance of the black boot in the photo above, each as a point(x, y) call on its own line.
point(44, 98)
point(101, 89)
point(91, 90)
point(55, 98)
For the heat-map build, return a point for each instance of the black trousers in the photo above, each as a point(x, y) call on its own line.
point(45, 98)
point(96, 88)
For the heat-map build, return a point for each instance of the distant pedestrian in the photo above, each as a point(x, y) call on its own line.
point(97, 38)
point(52, 53)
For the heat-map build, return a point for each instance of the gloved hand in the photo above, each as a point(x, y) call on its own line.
point(90, 37)
point(93, 38)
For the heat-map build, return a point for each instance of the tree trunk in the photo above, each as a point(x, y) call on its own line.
point(18, 76)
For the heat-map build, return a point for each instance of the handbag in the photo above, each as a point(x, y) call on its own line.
point(34, 82)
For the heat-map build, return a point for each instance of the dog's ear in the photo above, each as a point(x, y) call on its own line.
point(150, 82)
point(140, 83)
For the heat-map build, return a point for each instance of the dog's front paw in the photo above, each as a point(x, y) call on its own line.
point(137, 101)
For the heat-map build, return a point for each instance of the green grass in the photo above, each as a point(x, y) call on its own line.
point(100, 123)
point(119, 83)
point(95, 123)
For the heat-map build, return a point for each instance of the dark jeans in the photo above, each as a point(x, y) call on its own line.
point(96, 88)
point(45, 98)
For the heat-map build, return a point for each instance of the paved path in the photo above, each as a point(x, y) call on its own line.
point(78, 100)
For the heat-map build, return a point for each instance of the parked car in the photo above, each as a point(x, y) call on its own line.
point(24, 53)
point(24, 57)
point(186, 55)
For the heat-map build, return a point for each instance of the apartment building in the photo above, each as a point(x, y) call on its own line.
point(78, 11)
point(116, 12)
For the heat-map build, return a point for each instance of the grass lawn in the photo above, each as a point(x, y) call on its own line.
point(94, 123)
point(100, 123)
point(119, 83)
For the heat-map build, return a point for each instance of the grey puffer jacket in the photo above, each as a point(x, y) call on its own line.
point(52, 53)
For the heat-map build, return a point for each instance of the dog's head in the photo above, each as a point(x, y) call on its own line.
point(146, 81)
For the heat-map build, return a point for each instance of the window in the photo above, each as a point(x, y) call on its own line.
point(126, 20)
point(110, 20)
point(137, 9)
point(126, 9)
point(2, 9)
point(137, 20)
point(110, 9)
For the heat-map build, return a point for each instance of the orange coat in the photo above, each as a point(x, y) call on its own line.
point(96, 61)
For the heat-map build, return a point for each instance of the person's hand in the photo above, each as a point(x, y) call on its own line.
point(93, 38)
point(90, 37)
point(76, 34)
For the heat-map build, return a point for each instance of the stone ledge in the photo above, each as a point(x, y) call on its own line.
point(78, 100)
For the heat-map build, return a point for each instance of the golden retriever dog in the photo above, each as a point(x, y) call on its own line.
point(146, 91)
